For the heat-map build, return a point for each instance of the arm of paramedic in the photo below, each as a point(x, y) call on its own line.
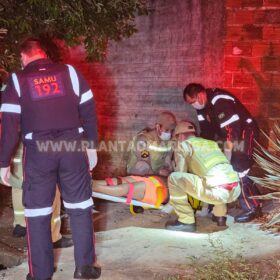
point(88, 112)
point(229, 122)
point(168, 163)
point(181, 153)
point(11, 113)
point(168, 167)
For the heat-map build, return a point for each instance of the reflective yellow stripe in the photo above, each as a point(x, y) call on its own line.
point(206, 155)
point(215, 160)
point(159, 149)
point(19, 213)
point(178, 197)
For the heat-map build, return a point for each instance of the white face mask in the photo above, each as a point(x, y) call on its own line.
point(198, 106)
point(165, 136)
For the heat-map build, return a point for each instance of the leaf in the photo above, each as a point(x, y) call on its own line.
point(275, 195)
point(274, 220)
point(269, 161)
point(97, 21)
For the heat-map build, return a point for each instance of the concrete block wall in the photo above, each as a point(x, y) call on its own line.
point(231, 43)
point(179, 42)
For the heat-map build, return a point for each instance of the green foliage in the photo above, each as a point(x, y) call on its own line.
point(89, 22)
point(269, 161)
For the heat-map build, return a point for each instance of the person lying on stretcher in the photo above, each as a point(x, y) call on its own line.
point(151, 189)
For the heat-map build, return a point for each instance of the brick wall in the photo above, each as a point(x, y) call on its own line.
point(178, 43)
point(252, 56)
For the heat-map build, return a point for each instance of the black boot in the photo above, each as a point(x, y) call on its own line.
point(178, 226)
point(29, 277)
point(221, 221)
point(63, 242)
point(138, 209)
point(19, 231)
point(87, 272)
point(249, 215)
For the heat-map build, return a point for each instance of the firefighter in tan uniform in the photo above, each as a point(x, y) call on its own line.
point(152, 149)
point(15, 181)
point(19, 224)
point(203, 172)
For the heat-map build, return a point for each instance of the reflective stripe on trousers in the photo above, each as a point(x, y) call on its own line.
point(42, 172)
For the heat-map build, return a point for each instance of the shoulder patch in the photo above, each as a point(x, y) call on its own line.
point(145, 154)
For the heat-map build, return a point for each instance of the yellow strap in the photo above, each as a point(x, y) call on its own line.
point(159, 191)
point(131, 210)
point(155, 181)
point(196, 204)
point(159, 196)
point(191, 201)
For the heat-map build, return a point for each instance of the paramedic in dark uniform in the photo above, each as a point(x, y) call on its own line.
point(223, 114)
point(54, 107)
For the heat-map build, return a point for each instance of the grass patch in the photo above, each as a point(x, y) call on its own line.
point(225, 266)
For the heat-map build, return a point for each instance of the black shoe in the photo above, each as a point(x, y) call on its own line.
point(138, 209)
point(29, 277)
point(210, 208)
point(19, 231)
point(63, 242)
point(248, 216)
point(221, 221)
point(87, 272)
point(178, 226)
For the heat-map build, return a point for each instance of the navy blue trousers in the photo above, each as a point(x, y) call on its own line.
point(248, 189)
point(42, 171)
point(242, 161)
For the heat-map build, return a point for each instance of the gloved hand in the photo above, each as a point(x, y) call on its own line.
point(5, 175)
point(164, 172)
point(92, 158)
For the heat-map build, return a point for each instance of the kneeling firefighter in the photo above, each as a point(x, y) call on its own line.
point(203, 172)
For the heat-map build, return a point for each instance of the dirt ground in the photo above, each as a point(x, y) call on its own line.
point(138, 247)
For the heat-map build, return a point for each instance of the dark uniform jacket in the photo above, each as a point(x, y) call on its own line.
point(43, 97)
point(225, 118)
